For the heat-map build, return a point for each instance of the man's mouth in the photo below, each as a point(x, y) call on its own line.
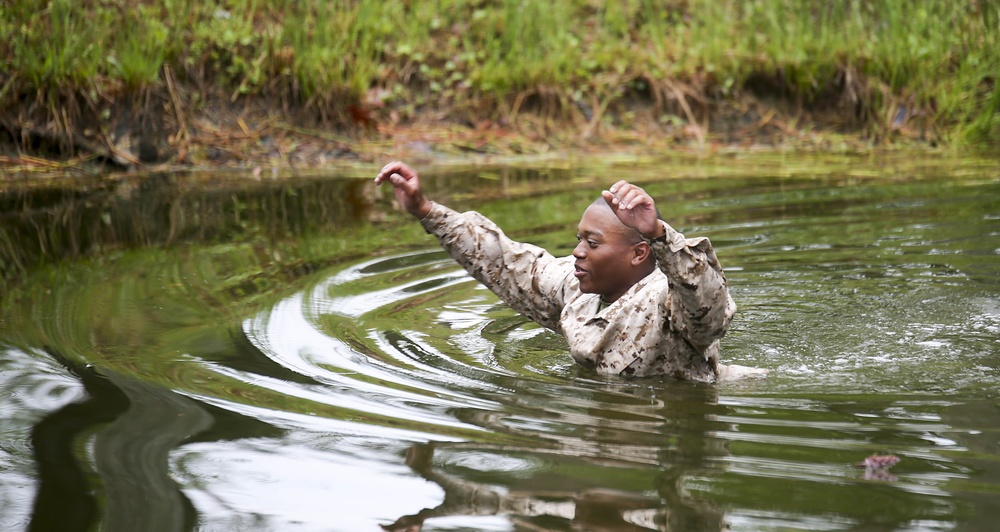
point(580, 272)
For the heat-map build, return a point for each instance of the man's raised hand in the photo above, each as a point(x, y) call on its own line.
point(634, 208)
point(406, 186)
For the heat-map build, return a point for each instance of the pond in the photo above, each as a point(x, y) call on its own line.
point(218, 351)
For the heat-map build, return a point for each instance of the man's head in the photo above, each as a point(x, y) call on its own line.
point(610, 256)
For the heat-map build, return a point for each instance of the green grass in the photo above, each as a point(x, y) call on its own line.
point(941, 56)
point(938, 59)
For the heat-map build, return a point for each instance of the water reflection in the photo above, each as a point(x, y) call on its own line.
point(45, 223)
point(129, 427)
point(33, 385)
point(277, 358)
point(62, 478)
point(647, 446)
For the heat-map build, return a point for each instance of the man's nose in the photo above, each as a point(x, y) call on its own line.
point(580, 251)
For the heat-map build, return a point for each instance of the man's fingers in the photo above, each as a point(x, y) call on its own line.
point(399, 181)
point(626, 195)
point(626, 198)
point(639, 198)
point(614, 188)
point(610, 197)
point(395, 167)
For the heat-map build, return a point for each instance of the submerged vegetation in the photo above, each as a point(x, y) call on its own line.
point(77, 73)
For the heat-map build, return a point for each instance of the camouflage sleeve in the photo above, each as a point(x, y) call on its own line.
point(524, 276)
point(701, 308)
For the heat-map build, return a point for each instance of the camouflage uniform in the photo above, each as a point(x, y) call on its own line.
point(669, 323)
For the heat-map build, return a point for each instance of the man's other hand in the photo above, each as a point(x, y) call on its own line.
point(406, 185)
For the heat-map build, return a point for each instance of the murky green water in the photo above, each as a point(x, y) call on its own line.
point(219, 353)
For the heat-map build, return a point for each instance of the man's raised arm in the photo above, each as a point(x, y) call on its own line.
point(702, 308)
point(524, 276)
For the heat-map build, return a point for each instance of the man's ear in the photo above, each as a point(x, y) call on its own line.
point(640, 252)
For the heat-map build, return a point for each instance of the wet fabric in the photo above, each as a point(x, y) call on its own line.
point(669, 323)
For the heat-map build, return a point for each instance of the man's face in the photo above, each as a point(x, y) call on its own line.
point(604, 254)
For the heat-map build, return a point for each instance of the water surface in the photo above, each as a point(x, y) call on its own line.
point(213, 352)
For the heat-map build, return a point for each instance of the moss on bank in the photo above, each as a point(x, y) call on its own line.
point(184, 80)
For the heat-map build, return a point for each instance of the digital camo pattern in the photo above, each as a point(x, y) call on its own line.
point(669, 323)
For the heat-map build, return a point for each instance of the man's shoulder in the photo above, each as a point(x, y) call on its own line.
point(656, 280)
point(649, 292)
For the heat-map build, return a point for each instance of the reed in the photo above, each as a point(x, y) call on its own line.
point(878, 63)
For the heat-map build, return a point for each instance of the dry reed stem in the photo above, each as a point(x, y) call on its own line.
point(682, 101)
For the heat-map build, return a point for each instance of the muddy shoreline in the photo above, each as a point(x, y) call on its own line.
point(263, 136)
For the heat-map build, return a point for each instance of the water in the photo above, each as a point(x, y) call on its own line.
point(212, 352)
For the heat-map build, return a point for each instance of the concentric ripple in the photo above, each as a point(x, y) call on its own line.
point(385, 388)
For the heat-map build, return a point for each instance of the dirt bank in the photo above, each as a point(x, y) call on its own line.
point(162, 129)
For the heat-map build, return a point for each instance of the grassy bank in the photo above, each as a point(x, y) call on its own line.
point(693, 70)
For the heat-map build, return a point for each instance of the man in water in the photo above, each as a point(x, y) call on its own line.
point(635, 299)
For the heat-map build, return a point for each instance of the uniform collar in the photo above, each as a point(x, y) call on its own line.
point(592, 302)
